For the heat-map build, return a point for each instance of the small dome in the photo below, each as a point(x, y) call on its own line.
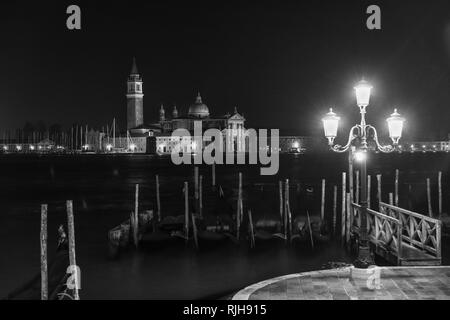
point(199, 109)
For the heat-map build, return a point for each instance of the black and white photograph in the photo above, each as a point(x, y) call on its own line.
point(225, 153)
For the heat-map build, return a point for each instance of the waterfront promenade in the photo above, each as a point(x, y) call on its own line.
point(396, 283)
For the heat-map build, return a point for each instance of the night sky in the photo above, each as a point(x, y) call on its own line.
point(283, 64)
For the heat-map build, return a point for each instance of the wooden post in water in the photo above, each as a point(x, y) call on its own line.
point(379, 190)
point(186, 211)
point(369, 179)
point(214, 174)
point(344, 179)
point(348, 220)
point(357, 186)
point(196, 196)
point(391, 198)
point(334, 209)
point(396, 188)
point(241, 209)
point(286, 208)
point(280, 189)
point(44, 270)
point(238, 208)
point(322, 204)
point(158, 200)
point(252, 234)
point(201, 196)
point(136, 216)
point(310, 230)
point(194, 231)
point(72, 258)
point(440, 192)
point(430, 210)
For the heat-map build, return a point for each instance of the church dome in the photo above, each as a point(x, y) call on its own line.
point(199, 109)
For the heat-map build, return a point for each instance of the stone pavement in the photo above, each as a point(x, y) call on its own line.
point(395, 283)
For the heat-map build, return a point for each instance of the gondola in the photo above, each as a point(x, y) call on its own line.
point(266, 229)
point(212, 230)
point(120, 237)
point(170, 230)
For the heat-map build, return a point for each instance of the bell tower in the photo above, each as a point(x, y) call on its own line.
point(135, 98)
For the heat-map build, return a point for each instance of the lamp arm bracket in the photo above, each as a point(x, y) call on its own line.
point(386, 148)
point(351, 136)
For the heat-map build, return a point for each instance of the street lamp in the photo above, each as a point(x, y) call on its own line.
point(361, 132)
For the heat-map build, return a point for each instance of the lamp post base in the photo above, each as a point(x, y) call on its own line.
point(364, 259)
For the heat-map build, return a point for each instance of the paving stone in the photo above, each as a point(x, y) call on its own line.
point(400, 283)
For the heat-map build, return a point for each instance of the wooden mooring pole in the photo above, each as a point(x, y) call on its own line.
point(391, 198)
point(396, 188)
point(280, 193)
point(72, 257)
point(238, 209)
point(430, 210)
point(440, 192)
point(322, 203)
point(379, 190)
point(196, 193)
point(136, 216)
point(335, 189)
point(158, 200)
point(369, 182)
point(214, 174)
point(286, 210)
point(343, 206)
point(186, 211)
point(348, 220)
point(310, 230)
point(241, 207)
point(200, 191)
point(44, 270)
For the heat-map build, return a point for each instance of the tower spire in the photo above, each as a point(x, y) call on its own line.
point(134, 69)
point(175, 112)
point(162, 113)
point(199, 98)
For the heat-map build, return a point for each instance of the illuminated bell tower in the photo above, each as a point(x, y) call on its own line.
point(135, 99)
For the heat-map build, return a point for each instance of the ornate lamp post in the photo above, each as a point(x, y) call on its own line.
point(361, 133)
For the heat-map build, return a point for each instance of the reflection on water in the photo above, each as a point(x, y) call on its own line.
point(102, 188)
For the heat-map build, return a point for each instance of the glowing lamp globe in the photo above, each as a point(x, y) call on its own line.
point(362, 91)
point(330, 125)
point(395, 125)
point(360, 156)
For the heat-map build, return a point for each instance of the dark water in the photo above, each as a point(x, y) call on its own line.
point(102, 188)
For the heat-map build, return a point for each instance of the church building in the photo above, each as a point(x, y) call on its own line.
point(156, 137)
